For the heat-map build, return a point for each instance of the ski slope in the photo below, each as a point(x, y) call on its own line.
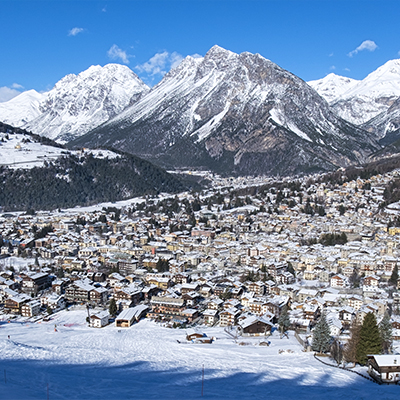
point(65, 359)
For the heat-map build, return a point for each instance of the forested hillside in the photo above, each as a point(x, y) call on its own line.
point(73, 180)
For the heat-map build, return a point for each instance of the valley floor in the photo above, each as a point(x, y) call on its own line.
point(65, 359)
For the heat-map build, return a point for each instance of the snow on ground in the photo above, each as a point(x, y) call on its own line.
point(65, 359)
point(18, 263)
point(20, 151)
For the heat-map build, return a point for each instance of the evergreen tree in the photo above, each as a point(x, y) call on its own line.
point(291, 269)
point(350, 349)
point(370, 339)
point(395, 276)
point(113, 307)
point(321, 335)
point(385, 329)
point(284, 320)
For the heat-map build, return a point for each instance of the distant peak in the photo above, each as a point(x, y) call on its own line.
point(217, 51)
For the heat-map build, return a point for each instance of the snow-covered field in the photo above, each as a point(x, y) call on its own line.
point(65, 359)
point(16, 153)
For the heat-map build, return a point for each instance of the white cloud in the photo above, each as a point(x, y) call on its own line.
point(332, 67)
point(75, 31)
point(160, 63)
point(115, 53)
point(17, 86)
point(196, 55)
point(7, 93)
point(369, 45)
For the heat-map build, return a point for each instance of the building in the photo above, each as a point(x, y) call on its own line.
point(100, 319)
point(384, 368)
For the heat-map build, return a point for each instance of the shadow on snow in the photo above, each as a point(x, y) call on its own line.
point(34, 379)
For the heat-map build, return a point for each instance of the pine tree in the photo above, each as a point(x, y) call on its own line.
point(321, 336)
point(395, 275)
point(385, 329)
point(370, 339)
point(284, 320)
point(350, 349)
point(113, 307)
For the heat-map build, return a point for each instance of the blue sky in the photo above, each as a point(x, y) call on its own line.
point(41, 41)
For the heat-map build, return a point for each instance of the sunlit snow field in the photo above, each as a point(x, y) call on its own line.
point(65, 359)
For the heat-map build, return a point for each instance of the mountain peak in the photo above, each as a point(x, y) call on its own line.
point(217, 52)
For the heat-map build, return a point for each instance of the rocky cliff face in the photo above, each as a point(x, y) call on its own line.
point(235, 113)
point(386, 125)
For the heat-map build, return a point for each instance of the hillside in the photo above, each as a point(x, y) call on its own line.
point(41, 176)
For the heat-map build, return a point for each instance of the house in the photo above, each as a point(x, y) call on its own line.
point(98, 295)
point(210, 317)
point(54, 301)
point(190, 314)
point(254, 326)
point(166, 307)
point(338, 281)
point(371, 280)
point(79, 291)
point(31, 308)
point(229, 317)
point(33, 283)
point(384, 368)
point(100, 319)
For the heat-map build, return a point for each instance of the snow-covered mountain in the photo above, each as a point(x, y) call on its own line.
point(77, 103)
point(332, 86)
point(365, 99)
point(386, 125)
point(21, 109)
point(234, 112)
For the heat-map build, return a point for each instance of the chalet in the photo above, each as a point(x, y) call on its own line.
point(98, 295)
point(54, 301)
point(355, 302)
point(190, 314)
point(100, 319)
point(166, 307)
point(384, 368)
point(338, 281)
point(229, 317)
point(59, 285)
point(189, 287)
point(79, 292)
point(14, 304)
point(31, 308)
point(254, 326)
point(305, 294)
point(33, 283)
point(371, 280)
point(215, 304)
point(210, 317)
point(311, 312)
point(257, 288)
point(191, 298)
